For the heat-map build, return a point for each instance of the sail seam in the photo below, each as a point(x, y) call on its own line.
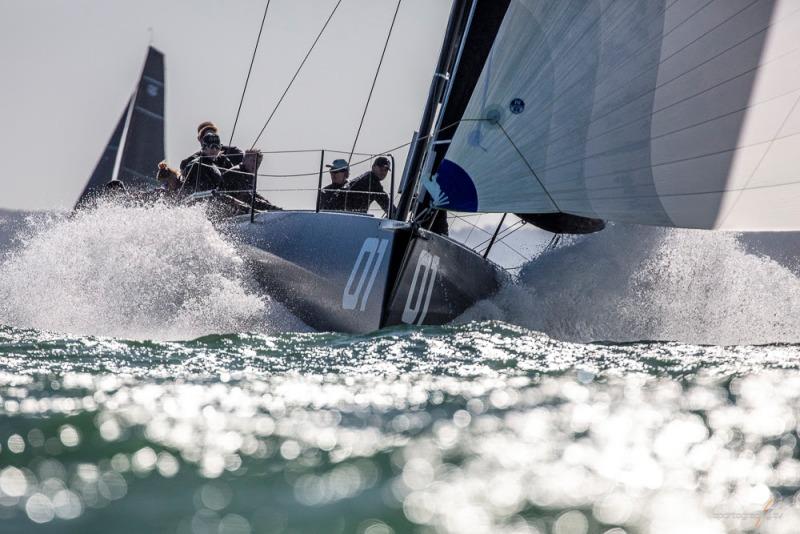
point(149, 113)
point(760, 161)
point(567, 90)
point(667, 82)
point(697, 193)
point(620, 148)
point(682, 160)
point(695, 95)
point(153, 80)
point(567, 73)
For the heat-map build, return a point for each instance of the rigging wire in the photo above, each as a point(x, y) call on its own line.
point(554, 241)
point(509, 247)
point(280, 100)
point(375, 79)
point(530, 167)
point(249, 71)
point(502, 235)
point(476, 225)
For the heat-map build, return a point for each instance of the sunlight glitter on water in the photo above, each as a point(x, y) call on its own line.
point(477, 428)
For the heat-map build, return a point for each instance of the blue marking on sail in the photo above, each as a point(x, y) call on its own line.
point(452, 188)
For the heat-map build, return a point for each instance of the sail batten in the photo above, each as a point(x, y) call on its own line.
point(677, 113)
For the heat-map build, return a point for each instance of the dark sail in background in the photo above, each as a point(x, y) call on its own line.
point(105, 167)
point(141, 129)
point(144, 141)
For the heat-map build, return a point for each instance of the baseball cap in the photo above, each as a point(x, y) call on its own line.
point(338, 165)
point(382, 162)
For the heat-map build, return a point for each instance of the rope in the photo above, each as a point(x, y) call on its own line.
point(375, 79)
point(280, 100)
point(249, 70)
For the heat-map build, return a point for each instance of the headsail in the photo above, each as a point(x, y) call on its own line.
point(140, 133)
point(665, 112)
point(104, 169)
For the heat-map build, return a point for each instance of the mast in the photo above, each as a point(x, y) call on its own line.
point(453, 37)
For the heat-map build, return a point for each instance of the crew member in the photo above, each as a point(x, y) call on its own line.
point(233, 153)
point(203, 172)
point(171, 179)
point(365, 189)
point(333, 197)
point(237, 182)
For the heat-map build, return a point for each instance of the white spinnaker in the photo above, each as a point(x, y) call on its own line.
point(667, 112)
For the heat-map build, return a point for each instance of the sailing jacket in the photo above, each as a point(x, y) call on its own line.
point(362, 190)
point(234, 155)
point(238, 184)
point(333, 197)
point(203, 173)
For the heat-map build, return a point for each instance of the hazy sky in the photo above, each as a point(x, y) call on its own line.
point(69, 66)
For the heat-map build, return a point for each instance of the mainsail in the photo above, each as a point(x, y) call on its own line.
point(140, 133)
point(144, 142)
point(678, 113)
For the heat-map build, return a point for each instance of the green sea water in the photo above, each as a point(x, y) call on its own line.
point(482, 427)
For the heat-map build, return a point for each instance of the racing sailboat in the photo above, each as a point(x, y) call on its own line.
point(668, 112)
point(136, 145)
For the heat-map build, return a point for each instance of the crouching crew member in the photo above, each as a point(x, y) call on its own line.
point(237, 182)
point(203, 170)
point(233, 153)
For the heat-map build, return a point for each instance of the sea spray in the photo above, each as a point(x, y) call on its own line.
point(134, 272)
point(631, 283)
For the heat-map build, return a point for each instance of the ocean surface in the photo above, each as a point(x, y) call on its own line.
point(637, 381)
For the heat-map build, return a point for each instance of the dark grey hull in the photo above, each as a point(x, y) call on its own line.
point(355, 273)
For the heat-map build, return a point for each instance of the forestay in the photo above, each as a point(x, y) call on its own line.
point(665, 112)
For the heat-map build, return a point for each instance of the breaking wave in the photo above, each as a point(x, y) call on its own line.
point(139, 272)
point(631, 283)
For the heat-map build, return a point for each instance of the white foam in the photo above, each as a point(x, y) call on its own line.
point(631, 283)
point(153, 272)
